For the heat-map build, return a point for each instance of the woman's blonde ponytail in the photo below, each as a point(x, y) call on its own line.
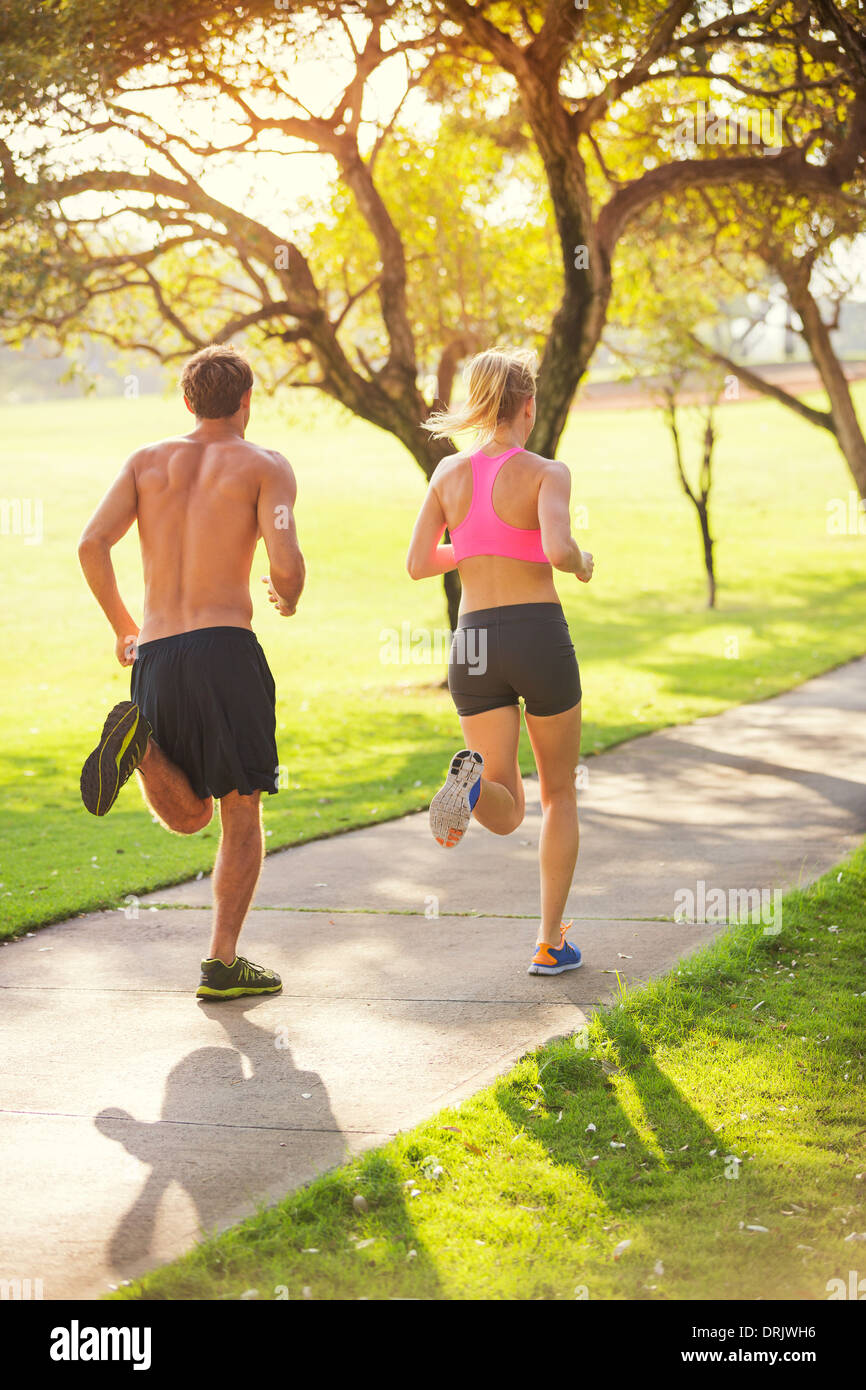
point(497, 382)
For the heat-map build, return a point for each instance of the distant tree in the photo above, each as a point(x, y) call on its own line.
point(659, 354)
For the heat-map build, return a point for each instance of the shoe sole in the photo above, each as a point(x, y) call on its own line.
point(205, 992)
point(552, 969)
point(450, 812)
point(101, 778)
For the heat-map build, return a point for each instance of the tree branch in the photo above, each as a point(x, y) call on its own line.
point(823, 418)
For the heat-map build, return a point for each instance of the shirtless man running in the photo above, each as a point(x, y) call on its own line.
point(201, 722)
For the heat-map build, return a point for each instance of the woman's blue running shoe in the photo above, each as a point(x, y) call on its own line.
point(553, 960)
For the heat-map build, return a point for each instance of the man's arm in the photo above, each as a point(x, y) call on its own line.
point(426, 556)
point(276, 518)
point(554, 518)
point(111, 520)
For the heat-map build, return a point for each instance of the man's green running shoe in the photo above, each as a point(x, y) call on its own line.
point(221, 981)
point(115, 757)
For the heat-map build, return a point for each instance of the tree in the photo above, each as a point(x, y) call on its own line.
point(106, 202)
point(655, 321)
point(698, 495)
point(796, 243)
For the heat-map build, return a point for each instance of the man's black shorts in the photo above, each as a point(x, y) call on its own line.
point(209, 697)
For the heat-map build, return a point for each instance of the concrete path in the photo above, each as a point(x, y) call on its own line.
point(132, 1116)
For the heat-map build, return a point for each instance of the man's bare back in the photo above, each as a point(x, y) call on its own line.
point(202, 504)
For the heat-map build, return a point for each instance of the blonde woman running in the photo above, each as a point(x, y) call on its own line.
point(507, 512)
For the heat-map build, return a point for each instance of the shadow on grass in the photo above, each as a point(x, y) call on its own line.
point(631, 1103)
point(634, 636)
point(727, 1192)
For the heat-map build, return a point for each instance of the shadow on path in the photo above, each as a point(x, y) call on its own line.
point(219, 1134)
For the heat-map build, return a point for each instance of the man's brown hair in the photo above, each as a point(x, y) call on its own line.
point(214, 380)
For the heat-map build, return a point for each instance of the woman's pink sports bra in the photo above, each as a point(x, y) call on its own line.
point(482, 532)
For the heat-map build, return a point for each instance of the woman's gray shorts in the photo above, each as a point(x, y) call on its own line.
point(520, 649)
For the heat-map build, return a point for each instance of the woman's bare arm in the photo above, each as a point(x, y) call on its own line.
point(554, 518)
point(426, 556)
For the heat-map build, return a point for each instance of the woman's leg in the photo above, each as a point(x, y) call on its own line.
point(555, 742)
point(495, 735)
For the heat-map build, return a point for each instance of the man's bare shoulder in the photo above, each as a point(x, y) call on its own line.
point(158, 449)
point(275, 476)
point(234, 448)
point(274, 470)
point(276, 460)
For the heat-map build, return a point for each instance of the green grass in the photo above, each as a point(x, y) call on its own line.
point(363, 740)
point(734, 1087)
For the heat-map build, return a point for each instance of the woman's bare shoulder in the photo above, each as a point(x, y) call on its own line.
point(449, 464)
point(545, 465)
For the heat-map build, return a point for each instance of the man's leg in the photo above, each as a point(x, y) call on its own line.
point(168, 793)
point(236, 872)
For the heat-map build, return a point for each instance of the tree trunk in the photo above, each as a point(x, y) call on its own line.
point(427, 453)
point(452, 356)
point(700, 503)
point(848, 431)
point(453, 594)
point(709, 563)
point(579, 320)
